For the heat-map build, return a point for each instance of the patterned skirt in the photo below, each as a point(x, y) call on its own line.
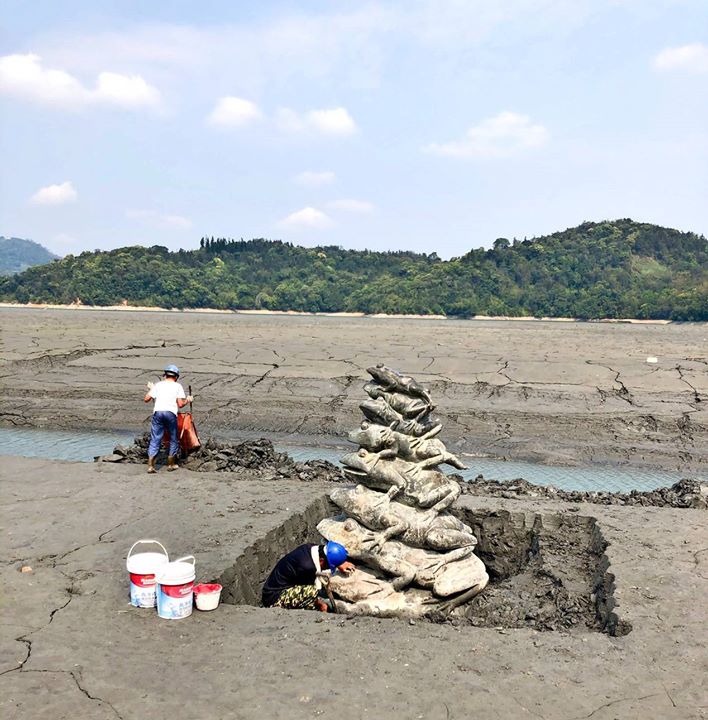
point(300, 597)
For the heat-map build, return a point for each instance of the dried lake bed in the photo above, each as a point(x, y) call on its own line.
point(559, 393)
point(72, 646)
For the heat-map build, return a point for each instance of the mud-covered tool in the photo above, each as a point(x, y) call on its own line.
point(325, 583)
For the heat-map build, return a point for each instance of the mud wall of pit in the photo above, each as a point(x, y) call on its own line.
point(242, 581)
point(547, 570)
point(604, 597)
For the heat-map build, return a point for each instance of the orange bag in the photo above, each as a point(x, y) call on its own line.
point(187, 436)
point(187, 433)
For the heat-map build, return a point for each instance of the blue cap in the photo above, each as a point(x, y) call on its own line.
point(172, 370)
point(336, 554)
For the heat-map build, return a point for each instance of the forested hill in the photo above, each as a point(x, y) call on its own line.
point(596, 270)
point(17, 255)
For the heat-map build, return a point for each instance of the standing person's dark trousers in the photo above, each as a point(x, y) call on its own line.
point(169, 397)
point(161, 421)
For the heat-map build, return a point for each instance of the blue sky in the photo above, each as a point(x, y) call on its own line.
point(421, 125)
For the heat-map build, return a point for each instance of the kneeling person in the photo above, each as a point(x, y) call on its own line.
point(294, 583)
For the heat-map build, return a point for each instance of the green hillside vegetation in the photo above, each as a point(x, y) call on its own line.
point(17, 255)
point(596, 270)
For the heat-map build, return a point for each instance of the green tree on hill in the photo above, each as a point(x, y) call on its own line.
point(596, 270)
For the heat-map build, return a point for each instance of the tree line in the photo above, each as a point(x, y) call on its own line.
point(599, 270)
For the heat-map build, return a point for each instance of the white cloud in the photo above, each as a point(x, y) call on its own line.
point(308, 217)
point(353, 206)
point(691, 58)
point(127, 91)
point(159, 220)
point(234, 112)
point(332, 121)
point(336, 121)
point(503, 135)
point(55, 194)
point(309, 178)
point(24, 76)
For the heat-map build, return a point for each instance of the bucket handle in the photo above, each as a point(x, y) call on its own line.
point(186, 558)
point(148, 542)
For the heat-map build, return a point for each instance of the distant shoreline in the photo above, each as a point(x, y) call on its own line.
point(216, 311)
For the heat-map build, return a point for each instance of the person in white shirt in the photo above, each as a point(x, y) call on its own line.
point(169, 396)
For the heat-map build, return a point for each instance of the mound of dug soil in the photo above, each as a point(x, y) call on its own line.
point(258, 455)
point(683, 494)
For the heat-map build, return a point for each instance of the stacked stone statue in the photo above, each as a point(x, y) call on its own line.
point(413, 557)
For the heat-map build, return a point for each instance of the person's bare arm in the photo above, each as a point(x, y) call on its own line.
point(181, 402)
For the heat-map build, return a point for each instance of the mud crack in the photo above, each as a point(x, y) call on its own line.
point(619, 389)
point(696, 394)
point(265, 374)
point(50, 361)
point(338, 400)
point(614, 702)
point(21, 663)
point(95, 698)
point(71, 592)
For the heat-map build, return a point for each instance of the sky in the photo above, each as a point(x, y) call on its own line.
point(433, 126)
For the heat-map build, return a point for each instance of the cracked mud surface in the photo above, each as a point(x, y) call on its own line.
point(73, 647)
point(555, 392)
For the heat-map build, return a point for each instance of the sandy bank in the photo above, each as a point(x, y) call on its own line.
point(393, 316)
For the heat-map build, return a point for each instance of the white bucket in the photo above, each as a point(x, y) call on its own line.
point(175, 585)
point(206, 596)
point(142, 568)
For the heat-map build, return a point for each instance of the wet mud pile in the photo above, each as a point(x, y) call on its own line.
point(256, 455)
point(682, 494)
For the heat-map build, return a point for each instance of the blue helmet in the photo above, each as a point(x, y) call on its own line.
point(336, 554)
point(172, 370)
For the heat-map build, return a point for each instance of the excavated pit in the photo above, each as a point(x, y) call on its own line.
point(548, 571)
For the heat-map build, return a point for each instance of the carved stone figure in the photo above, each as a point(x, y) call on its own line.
point(414, 558)
point(407, 406)
point(414, 483)
point(391, 380)
point(445, 573)
point(379, 411)
point(414, 449)
point(407, 524)
point(362, 584)
point(363, 593)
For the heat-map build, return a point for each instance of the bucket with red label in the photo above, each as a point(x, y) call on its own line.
point(175, 586)
point(206, 596)
point(142, 567)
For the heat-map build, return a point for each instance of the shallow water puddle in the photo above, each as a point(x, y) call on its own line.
point(85, 445)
